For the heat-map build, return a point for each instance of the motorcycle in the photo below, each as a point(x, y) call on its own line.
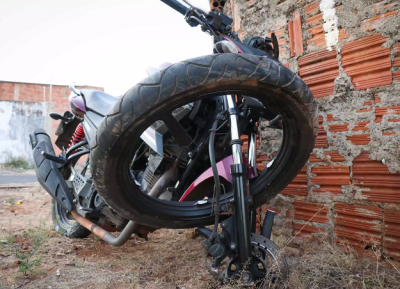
point(168, 153)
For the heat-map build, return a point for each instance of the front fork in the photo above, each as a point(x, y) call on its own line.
point(241, 194)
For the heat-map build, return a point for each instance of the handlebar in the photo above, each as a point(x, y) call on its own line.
point(176, 6)
point(213, 23)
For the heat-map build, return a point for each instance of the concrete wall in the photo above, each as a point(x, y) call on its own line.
point(348, 52)
point(17, 120)
point(25, 107)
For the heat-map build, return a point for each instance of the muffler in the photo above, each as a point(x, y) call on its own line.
point(48, 171)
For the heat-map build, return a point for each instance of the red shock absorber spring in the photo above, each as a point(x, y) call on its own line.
point(78, 136)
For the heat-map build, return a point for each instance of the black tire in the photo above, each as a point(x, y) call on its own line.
point(261, 77)
point(65, 226)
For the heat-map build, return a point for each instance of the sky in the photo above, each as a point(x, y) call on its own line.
point(106, 43)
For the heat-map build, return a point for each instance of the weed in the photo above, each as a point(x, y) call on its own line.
point(8, 237)
point(17, 162)
point(11, 200)
point(27, 257)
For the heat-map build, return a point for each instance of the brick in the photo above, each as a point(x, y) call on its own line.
point(311, 212)
point(359, 139)
point(298, 39)
point(314, 19)
point(359, 226)
point(314, 159)
point(396, 62)
point(339, 127)
point(319, 71)
point(262, 161)
point(322, 139)
point(330, 178)
point(364, 110)
point(299, 185)
point(375, 180)
point(264, 209)
point(390, 110)
point(361, 126)
point(335, 156)
point(374, 22)
point(318, 36)
point(278, 33)
point(391, 238)
point(388, 133)
point(396, 48)
point(291, 38)
point(311, 7)
point(307, 230)
point(397, 76)
point(329, 117)
point(7, 91)
point(390, 5)
point(367, 62)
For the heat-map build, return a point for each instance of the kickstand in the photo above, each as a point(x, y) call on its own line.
point(266, 229)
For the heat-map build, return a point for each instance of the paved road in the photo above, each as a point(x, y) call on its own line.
point(17, 179)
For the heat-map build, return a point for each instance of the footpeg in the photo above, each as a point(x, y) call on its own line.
point(57, 159)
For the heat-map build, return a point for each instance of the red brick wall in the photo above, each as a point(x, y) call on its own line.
point(349, 189)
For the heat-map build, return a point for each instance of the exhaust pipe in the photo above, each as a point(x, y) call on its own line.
point(131, 227)
point(105, 235)
point(51, 179)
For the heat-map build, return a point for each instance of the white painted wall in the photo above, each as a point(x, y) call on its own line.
point(17, 120)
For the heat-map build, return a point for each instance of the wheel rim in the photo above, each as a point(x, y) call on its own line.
point(189, 210)
point(62, 218)
point(125, 126)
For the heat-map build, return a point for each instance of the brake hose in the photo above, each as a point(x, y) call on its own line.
point(216, 208)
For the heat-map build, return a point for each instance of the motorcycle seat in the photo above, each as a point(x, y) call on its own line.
point(98, 101)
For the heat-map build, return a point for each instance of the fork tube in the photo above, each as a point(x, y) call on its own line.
point(253, 152)
point(236, 147)
point(240, 186)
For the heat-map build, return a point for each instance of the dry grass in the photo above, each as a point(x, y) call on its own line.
point(330, 266)
point(170, 259)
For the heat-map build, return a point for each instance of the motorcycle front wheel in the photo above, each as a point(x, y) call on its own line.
point(262, 78)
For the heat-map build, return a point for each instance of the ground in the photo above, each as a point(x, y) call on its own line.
point(169, 259)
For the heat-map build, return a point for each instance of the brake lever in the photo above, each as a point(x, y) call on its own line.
point(276, 45)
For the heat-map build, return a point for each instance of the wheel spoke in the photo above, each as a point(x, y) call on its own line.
point(177, 130)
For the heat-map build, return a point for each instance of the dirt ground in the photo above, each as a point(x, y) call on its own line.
point(169, 259)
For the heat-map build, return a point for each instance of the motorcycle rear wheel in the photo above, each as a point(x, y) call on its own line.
point(264, 78)
point(64, 226)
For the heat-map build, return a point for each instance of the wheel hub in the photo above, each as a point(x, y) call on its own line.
point(268, 266)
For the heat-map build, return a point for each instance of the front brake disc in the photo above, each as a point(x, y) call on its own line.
point(268, 267)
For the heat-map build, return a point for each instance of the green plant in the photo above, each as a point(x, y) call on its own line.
point(8, 237)
point(28, 259)
point(17, 162)
point(11, 200)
